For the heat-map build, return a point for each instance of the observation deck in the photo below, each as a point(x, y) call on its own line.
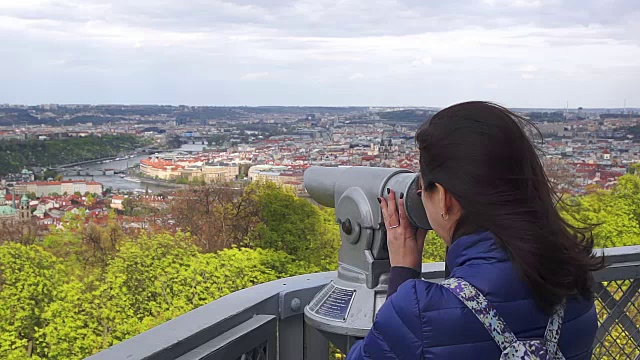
point(266, 321)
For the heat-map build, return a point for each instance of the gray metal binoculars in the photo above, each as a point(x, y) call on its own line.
point(347, 305)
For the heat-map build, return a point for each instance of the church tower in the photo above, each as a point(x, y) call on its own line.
point(25, 211)
point(384, 148)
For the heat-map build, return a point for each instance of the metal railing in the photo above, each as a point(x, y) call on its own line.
point(266, 321)
point(618, 305)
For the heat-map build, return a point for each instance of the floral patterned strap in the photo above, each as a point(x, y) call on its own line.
point(552, 334)
point(483, 310)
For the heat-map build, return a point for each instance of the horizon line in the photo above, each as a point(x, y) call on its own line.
point(312, 106)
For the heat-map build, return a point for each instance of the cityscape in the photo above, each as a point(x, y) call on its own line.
point(584, 150)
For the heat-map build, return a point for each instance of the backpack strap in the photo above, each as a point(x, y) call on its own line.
point(552, 334)
point(483, 310)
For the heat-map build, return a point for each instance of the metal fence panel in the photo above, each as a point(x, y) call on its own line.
point(617, 305)
point(254, 339)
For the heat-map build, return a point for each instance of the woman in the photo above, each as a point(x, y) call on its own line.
point(486, 195)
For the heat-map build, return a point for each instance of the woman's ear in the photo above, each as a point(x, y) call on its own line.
point(443, 201)
point(449, 206)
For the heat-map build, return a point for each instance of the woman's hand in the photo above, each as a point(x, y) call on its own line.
point(405, 243)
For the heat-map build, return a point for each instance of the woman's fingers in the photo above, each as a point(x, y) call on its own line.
point(404, 220)
point(404, 248)
point(392, 211)
point(384, 206)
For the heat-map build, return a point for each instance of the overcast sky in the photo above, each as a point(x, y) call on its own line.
point(521, 53)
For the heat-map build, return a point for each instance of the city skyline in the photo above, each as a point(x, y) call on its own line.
point(522, 54)
point(313, 108)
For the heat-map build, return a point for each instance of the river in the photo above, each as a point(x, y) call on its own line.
point(117, 183)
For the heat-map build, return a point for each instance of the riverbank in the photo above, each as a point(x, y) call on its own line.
point(95, 161)
point(18, 155)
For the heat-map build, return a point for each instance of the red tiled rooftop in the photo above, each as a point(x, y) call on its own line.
point(48, 183)
point(160, 164)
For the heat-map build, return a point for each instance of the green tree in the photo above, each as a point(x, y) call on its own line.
point(613, 216)
point(173, 142)
point(295, 226)
point(49, 173)
point(634, 169)
point(156, 278)
point(217, 215)
point(74, 328)
point(434, 248)
point(628, 190)
point(85, 247)
point(30, 278)
point(67, 246)
point(325, 248)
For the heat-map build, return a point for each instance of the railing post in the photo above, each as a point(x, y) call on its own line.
point(316, 346)
point(291, 338)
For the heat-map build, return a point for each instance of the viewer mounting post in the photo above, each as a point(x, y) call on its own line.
point(346, 307)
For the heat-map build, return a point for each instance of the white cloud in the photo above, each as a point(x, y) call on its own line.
point(425, 61)
point(254, 76)
point(126, 51)
point(528, 71)
point(529, 68)
point(22, 4)
point(515, 3)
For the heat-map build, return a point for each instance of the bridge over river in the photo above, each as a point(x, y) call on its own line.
point(107, 171)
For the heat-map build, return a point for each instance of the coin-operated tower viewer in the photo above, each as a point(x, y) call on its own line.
point(345, 308)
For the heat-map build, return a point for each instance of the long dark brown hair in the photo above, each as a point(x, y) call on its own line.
point(480, 152)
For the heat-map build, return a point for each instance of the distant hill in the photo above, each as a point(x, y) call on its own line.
point(619, 116)
point(11, 116)
point(101, 114)
point(407, 116)
point(17, 154)
point(548, 116)
point(302, 109)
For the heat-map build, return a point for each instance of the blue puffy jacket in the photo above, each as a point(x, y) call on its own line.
point(423, 320)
